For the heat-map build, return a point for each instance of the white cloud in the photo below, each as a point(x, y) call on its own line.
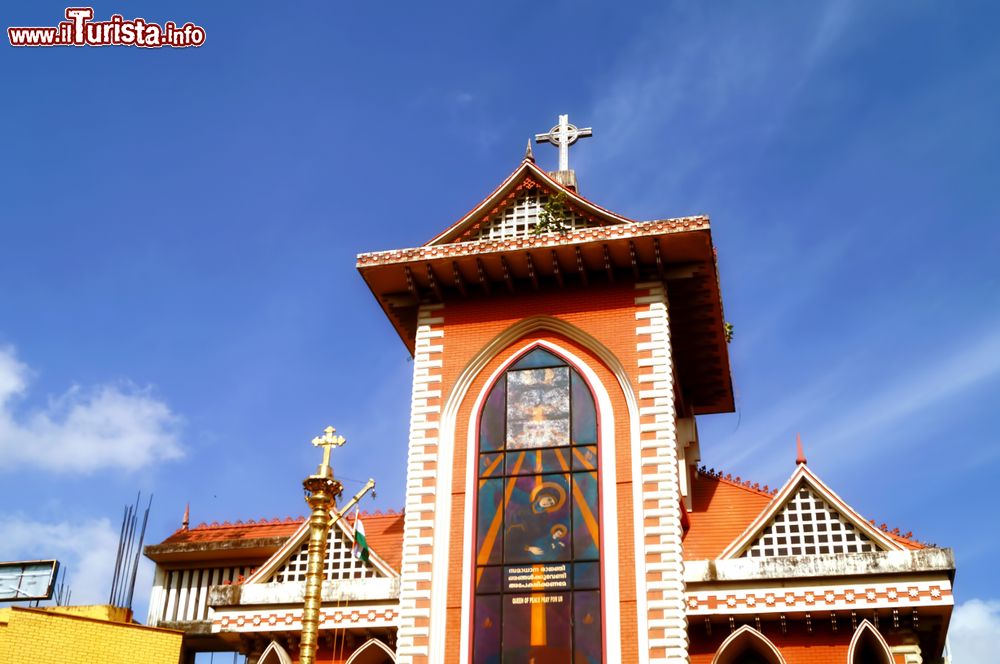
point(87, 548)
point(84, 429)
point(974, 631)
point(971, 363)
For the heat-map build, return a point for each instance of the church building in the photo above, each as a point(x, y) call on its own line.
point(556, 508)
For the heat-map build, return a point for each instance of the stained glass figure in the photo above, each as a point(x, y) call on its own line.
point(538, 408)
point(538, 571)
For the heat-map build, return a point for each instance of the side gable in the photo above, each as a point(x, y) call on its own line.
point(288, 564)
point(807, 518)
point(513, 209)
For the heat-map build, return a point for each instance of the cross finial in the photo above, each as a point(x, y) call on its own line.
point(562, 136)
point(328, 441)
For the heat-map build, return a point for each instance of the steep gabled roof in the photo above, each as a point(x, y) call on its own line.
point(341, 536)
point(806, 517)
point(502, 248)
point(526, 177)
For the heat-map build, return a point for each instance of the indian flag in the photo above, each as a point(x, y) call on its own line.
point(360, 548)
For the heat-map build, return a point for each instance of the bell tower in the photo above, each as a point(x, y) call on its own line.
point(561, 352)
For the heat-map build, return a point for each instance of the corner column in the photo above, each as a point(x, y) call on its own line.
point(661, 583)
point(413, 643)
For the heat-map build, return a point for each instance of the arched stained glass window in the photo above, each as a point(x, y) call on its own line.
point(537, 580)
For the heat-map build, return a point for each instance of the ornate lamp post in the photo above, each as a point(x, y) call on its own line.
point(321, 492)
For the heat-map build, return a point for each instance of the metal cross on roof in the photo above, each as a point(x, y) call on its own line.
point(562, 136)
point(328, 441)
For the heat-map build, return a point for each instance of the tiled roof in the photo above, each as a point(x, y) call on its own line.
point(721, 510)
point(384, 531)
point(227, 532)
point(724, 506)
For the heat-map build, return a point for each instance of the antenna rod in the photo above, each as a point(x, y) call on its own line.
point(118, 557)
point(138, 551)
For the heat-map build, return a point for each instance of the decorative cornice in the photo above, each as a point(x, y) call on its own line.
point(820, 597)
point(583, 235)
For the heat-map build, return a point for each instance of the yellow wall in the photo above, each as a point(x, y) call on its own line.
point(34, 636)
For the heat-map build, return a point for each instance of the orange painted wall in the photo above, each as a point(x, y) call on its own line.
point(607, 314)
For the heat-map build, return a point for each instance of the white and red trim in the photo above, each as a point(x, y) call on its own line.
point(419, 522)
point(827, 596)
point(663, 632)
point(283, 620)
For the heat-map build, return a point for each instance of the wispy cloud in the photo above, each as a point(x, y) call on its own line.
point(969, 364)
point(975, 627)
point(84, 429)
point(698, 80)
point(87, 548)
point(883, 411)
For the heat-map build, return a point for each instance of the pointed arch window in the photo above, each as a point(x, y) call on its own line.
point(537, 578)
point(868, 646)
point(747, 646)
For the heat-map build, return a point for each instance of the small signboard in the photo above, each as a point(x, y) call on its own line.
point(28, 580)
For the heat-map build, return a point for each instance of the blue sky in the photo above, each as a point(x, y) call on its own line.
point(179, 308)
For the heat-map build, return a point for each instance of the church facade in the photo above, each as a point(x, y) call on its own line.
point(556, 509)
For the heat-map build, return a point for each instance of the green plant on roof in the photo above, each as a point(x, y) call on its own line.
point(552, 216)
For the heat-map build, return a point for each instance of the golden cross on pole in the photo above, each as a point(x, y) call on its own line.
point(328, 441)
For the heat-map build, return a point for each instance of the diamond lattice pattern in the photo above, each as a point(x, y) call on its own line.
point(340, 563)
point(520, 218)
point(808, 525)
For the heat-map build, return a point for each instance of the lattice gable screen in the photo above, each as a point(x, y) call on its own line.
point(808, 525)
point(520, 217)
point(341, 565)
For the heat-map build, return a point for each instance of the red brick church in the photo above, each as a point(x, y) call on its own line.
point(556, 507)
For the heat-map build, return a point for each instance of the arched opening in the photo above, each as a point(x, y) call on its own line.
point(372, 651)
point(747, 646)
point(274, 654)
point(868, 646)
point(537, 579)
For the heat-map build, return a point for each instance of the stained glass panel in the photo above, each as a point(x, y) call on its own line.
point(538, 408)
point(538, 573)
point(486, 639)
point(490, 465)
point(584, 413)
point(585, 517)
point(537, 628)
point(585, 458)
point(587, 623)
point(537, 519)
point(488, 579)
point(586, 576)
point(530, 462)
point(538, 358)
point(491, 420)
point(489, 520)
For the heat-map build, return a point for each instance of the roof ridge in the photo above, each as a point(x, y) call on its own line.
point(898, 535)
point(387, 512)
point(276, 521)
point(737, 481)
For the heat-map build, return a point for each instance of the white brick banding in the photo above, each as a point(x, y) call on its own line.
point(663, 582)
point(421, 474)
